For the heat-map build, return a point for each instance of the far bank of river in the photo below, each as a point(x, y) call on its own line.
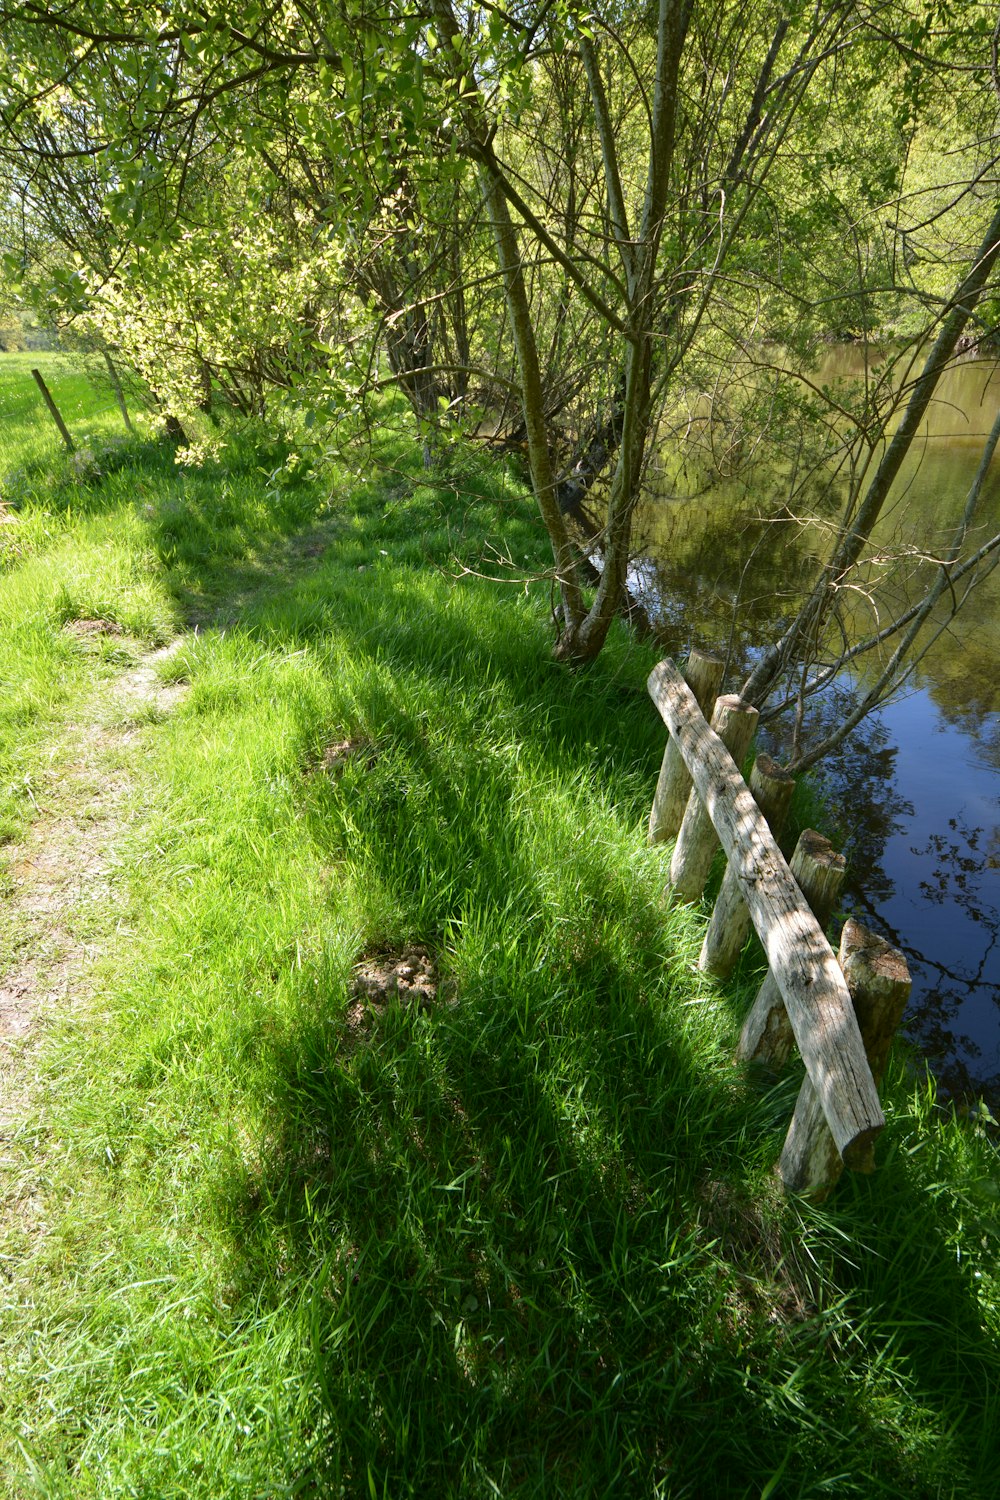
point(916, 794)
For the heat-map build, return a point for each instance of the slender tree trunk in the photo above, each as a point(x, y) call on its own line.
point(809, 622)
point(585, 642)
point(532, 394)
point(495, 200)
point(640, 264)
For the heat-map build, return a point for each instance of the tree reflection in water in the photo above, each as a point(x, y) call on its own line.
point(930, 890)
point(913, 795)
point(932, 895)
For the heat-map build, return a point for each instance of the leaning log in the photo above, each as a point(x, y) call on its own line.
point(808, 975)
point(819, 874)
point(879, 982)
point(735, 722)
point(54, 411)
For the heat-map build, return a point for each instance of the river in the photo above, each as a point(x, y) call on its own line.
point(915, 795)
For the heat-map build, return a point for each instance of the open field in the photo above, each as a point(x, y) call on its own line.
point(373, 1135)
point(83, 394)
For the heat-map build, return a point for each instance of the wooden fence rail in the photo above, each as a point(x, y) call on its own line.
point(808, 996)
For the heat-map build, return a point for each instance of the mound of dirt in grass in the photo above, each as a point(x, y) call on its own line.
point(335, 757)
point(86, 629)
point(411, 975)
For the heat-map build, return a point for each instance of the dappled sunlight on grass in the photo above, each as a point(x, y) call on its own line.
point(518, 1236)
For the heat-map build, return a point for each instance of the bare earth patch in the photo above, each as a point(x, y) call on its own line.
point(410, 977)
point(59, 893)
point(335, 757)
point(83, 629)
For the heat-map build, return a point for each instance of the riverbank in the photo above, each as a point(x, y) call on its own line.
point(915, 794)
point(390, 1144)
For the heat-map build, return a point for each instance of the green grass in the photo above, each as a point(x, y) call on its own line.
point(521, 1242)
point(28, 436)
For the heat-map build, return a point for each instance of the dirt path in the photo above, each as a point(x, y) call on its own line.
point(60, 902)
point(59, 897)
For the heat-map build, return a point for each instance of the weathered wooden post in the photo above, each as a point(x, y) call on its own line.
point(54, 411)
point(729, 926)
point(819, 873)
point(809, 978)
point(703, 675)
point(734, 722)
point(879, 982)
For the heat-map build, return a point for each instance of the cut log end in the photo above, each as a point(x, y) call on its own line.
point(817, 850)
point(885, 964)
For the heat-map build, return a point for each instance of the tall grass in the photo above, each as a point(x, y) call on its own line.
point(520, 1239)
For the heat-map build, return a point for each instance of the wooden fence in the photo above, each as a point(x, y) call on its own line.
point(841, 1012)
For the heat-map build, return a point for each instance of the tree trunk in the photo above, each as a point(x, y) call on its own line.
point(584, 641)
point(808, 623)
point(532, 395)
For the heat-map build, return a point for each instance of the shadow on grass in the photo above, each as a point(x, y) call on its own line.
point(503, 1207)
point(500, 1216)
point(503, 1212)
point(918, 1226)
point(222, 530)
point(496, 1300)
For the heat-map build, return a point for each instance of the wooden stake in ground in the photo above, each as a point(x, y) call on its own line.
point(703, 675)
point(767, 1032)
point(879, 982)
point(734, 722)
point(729, 927)
point(53, 411)
point(808, 975)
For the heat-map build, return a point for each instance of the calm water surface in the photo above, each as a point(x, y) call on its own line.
point(917, 792)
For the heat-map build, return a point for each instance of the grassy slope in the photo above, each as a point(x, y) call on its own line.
point(522, 1242)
